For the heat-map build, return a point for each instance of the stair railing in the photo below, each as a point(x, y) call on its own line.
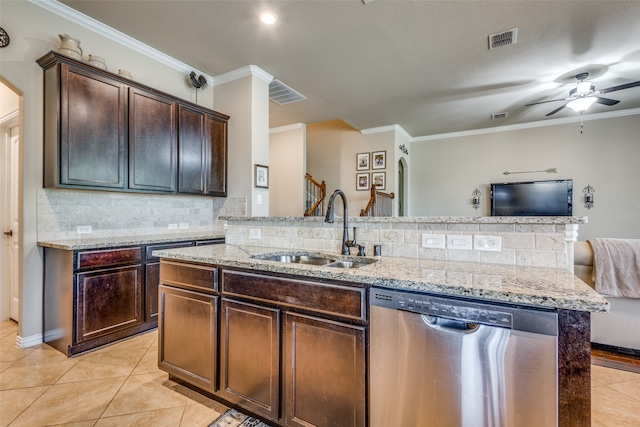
point(314, 196)
point(380, 204)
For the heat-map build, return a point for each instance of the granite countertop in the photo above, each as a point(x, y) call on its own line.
point(120, 241)
point(531, 286)
point(425, 219)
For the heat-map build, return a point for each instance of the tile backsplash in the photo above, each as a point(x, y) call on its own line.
point(111, 214)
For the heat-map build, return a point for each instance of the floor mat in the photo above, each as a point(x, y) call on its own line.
point(233, 418)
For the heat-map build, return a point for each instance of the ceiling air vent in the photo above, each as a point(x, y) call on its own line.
point(495, 116)
point(503, 39)
point(282, 94)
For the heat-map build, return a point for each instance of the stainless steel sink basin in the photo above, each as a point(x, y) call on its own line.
point(298, 259)
point(351, 264)
point(314, 260)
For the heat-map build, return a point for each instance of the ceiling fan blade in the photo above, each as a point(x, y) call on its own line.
point(544, 102)
point(556, 110)
point(624, 86)
point(606, 101)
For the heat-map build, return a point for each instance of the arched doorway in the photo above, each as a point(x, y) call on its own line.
point(402, 187)
point(9, 203)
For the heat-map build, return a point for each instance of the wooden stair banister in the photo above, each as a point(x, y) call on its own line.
point(316, 192)
point(375, 200)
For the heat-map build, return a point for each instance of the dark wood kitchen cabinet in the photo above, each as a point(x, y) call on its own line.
point(203, 152)
point(85, 127)
point(153, 143)
point(321, 365)
point(187, 330)
point(95, 297)
point(105, 132)
point(250, 357)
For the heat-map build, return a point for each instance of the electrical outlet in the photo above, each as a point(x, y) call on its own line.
point(459, 241)
point(184, 226)
point(173, 226)
point(84, 229)
point(255, 233)
point(434, 241)
point(259, 199)
point(487, 243)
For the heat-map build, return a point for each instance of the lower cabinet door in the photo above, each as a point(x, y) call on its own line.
point(187, 336)
point(324, 373)
point(107, 301)
point(249, 357)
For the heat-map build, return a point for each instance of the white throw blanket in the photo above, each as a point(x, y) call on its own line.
point(616, 267)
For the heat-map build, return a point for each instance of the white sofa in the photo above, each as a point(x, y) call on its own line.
point(621, 326)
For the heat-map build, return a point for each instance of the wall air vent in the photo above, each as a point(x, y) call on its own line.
point(503, 39)
point(282, 94)
point(495, 116)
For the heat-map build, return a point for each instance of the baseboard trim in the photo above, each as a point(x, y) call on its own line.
point(30, 341)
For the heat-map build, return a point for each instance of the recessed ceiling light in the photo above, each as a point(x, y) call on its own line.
point(268, 18)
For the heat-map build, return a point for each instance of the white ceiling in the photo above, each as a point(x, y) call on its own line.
point(424, 65)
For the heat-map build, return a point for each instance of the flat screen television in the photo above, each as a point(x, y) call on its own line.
point(535, 198)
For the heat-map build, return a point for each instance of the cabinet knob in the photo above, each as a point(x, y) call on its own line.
point(8, 233)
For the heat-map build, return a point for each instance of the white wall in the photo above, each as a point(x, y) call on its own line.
point(287, 168)
point(446, 171)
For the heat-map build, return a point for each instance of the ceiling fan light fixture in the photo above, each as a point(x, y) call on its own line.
point(581, 104)
point(584, 87)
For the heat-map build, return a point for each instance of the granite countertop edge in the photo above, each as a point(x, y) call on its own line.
point(557, 220)
point(544, 287)
point(121, 241)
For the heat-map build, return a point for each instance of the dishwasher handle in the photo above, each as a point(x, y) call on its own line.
point(451, 325)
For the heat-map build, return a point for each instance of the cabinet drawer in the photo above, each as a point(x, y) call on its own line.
point(149, 249)
point(111, 257)
point(189, 276)
point(338, 300)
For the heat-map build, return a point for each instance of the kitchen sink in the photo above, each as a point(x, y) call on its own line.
point(296, 259)
point(320, 260)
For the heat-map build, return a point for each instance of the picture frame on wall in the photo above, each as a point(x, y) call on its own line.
point(379, 160)
point(362, 161)
point(362, 181)
point(261, 175)
point(379, 179)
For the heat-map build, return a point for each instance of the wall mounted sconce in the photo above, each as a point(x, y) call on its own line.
point(404, 149)
point(588, 196)
point(476, 198)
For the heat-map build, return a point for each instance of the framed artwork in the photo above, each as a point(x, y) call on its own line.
point(261, 174)
point(379, 180)
point(362, 181)
point(379, 160)
point(362, 161)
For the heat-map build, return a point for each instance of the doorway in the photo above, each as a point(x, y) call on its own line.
point(9, 204)
point(402, 187)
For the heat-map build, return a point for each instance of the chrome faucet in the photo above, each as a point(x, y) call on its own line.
point(346, 243)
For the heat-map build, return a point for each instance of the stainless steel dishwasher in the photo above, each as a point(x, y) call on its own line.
point(444, 362)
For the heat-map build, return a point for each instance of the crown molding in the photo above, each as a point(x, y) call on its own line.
point(531, 125)
point(117, 36)
point(246, 71)
point(389, 128)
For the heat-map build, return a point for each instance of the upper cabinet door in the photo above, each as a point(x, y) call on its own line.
point(153, 142)
point(216, 156)
point(191, 150)
point(92, 130)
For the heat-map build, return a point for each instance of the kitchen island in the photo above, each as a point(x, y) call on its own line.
point(322, 298)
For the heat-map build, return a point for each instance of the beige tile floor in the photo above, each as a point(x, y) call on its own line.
point(120, 385)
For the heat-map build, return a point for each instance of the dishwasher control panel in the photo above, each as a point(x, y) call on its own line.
point(457, 310)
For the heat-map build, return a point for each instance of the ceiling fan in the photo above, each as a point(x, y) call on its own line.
point(585, 94)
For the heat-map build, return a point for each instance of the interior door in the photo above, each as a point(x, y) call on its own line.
point(14, 220)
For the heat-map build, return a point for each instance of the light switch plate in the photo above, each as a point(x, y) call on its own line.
point(433, 241)
point(487, 243)
point(255, 233)
point(184, 226)
point(173, 226)
point(459, 241)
